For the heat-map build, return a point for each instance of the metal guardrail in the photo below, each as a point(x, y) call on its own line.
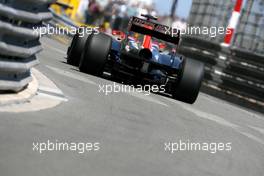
point(19, 43)
point(237, 71)
point(232, 69)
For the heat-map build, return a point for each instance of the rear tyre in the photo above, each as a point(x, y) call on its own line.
point(76, 49)
point(188, 87)
point(95, 54)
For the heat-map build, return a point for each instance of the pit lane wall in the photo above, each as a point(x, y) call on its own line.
point(237, 70)
point(19, 43)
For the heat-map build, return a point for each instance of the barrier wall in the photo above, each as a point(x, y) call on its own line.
point(19, 43)
point(239, 69)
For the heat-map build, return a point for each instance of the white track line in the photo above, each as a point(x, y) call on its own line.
point(54, 97)
point(217, 119)
point(147, 98)
point(204, 115)
point(47, 96)
point(260, 130)
point(70, 75)
point(80, 78)
point(51, 90)
point(252, 137)
point(215, 100)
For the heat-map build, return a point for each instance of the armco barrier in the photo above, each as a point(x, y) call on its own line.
point(235, 74)
point(233, 69)
point(19, 43)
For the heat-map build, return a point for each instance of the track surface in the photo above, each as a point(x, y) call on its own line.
point(131, 130)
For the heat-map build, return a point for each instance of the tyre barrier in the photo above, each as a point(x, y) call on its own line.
point(19, 42)
point(232, 70)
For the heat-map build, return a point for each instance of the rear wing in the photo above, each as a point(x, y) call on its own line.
point(159, 31)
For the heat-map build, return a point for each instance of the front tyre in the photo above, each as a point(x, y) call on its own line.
point(95, 54)
point(187, 89)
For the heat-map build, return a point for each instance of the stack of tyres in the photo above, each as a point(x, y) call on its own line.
point(19, 41)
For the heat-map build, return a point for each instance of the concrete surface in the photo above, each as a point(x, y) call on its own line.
point(132, 130)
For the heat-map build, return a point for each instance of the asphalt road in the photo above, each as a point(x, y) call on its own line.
point(133, 132)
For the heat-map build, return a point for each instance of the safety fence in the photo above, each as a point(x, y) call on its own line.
point(228, 70)
point(210, 13)
point(19, 42)
point(250, 34)
point(239, 69)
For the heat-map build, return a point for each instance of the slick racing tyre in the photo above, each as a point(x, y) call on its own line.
point(75, 50)
point(187, 89)
point(95, 54)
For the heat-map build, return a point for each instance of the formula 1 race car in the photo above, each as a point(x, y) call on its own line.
point(146, 54)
